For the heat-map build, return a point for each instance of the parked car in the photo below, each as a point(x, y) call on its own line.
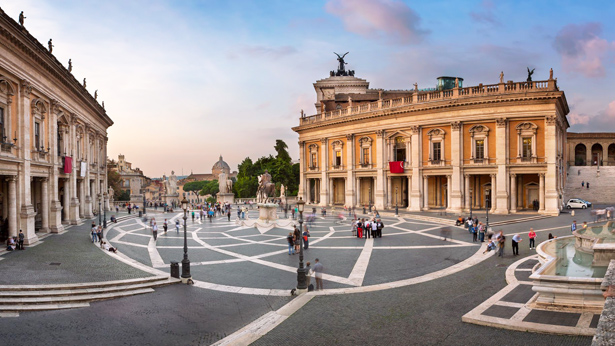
point(578, 203)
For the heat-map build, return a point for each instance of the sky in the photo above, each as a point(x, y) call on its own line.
point(188, 81)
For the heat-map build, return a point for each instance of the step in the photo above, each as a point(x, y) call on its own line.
point(70, 299)
point(525, 219)
point(82, 291)
point(82, 285)
point(42, 307)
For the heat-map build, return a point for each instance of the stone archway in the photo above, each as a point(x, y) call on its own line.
point(611, 156)
point(580, 154)
point(597, 154)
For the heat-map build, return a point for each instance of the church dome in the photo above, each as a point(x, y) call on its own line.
point(220, 167)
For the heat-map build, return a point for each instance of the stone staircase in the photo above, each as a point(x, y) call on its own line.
point(20, 298)
point(601, 186)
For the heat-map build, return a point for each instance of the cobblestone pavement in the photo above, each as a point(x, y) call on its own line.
point(69, 257)
point(427, 313)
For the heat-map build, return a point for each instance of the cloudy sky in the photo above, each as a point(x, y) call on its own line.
point(187, 81)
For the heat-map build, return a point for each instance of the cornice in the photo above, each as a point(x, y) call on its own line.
point(422, 107)
point(29, 47)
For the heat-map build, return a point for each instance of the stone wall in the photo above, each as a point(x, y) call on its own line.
point(605, 332)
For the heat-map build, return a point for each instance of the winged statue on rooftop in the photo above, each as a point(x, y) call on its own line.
point(341, 60)
point(529, 74)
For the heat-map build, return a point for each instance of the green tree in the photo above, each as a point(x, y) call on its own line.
point(210, 187)
point(194, 186)
point(115, 182)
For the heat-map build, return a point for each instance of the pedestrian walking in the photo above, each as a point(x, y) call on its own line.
point(99, 233)
point(481, 232)
point(582, 183)
point(532, 236)
point(516, 239)
point(379, 228)
point(587, 185)
point(94, 232)
point(165, 226)
point(306, 239)
point(177, 226)
point(155, 231)
point(360, 228)
point(318, 270)
point(228, 214)
point(297, 237)
point(573, 227)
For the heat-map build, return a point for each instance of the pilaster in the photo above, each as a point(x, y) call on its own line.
point(501, 153)
point(350, 180)
point(551, 202)
point(415, 188)
point(324, 168)
point(454, 182)
point(380, 174)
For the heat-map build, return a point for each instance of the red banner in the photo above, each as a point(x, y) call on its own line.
point(396, 166)
point(68, 164)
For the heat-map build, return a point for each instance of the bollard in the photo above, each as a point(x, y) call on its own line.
point(175, 269)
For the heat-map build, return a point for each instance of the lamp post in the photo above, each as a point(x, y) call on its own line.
point(370, 200)
point(99, 209)
point(396, 206)
point(487, 206)
point(301, 272)
point(105, 213)
point(185, 262)
point(144, 202)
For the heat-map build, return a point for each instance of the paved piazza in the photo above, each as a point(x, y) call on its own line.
point(232, 258)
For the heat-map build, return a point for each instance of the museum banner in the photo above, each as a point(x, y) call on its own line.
point(68, 164)
point(84, 168)
point(396, 166)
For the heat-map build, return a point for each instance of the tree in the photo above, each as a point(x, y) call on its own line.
point(194, 186)
point(114, 181)
point(210, 187)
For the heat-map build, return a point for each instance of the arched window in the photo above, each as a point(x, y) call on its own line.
point(337, 154)
point(365, 145)
point(313, 158)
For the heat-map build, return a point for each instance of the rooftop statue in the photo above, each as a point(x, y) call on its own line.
point(21, 18)
point(502, 77)
point(84, 83)
point(70, 65)
point(342, 66)
point(529, 74)
point(95, 94)
point(50, 46)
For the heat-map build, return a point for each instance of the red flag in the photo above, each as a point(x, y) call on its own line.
point(396, 166)
point(68, 164)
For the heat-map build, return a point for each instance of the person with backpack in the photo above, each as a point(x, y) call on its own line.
point(379, 228)
point(291, 243)
point(306, 239)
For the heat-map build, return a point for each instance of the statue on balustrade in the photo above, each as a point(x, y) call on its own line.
point(529, 74)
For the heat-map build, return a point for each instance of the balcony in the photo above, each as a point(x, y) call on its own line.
point(438, 162)
point(366, 165)
point(338, 167)
point(527, 159)
point(313, 168)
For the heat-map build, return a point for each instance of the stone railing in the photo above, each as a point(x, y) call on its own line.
point(418, 97)
point(605, 332)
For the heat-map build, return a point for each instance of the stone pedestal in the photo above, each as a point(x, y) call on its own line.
point(267, 219)
point(226, 197)
point(267, 211)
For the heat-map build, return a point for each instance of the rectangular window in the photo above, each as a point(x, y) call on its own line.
point(400, 149)
point(365, 156)
point(338, 158)
point(480, 149)
point(437, 151)
point(527, 147)
point(59, 141)
point(79, 148)
point(37, 135)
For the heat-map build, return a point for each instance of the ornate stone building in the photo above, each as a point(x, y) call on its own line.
point(591, 148)
point(500, 145)
point(133, 179)
point(54, 139)
point(219, 167)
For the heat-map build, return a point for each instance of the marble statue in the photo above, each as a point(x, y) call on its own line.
point(21, 18)
point(171, 184)
point(502, 77)
point(95, 94)
point(456, 82)
point(282, 191)
point(416, 86)
point(111, 192)
point(50, 46)
point(70, 65)
point(265, 189)
point(225, 185)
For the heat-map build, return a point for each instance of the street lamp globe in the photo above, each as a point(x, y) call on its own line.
point(300, 204)
point(184, 204)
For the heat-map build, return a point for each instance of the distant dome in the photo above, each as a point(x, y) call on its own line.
point(220, 167)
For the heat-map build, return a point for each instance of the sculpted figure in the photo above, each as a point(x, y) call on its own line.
point(95, 94)
point(21, 18)
point(70, 65)
point(50, 46)
point(456, 82)
point(222, 183)
point(551, 73)
point(416, 86)
point(341, 68)
point(529, 74)
point(502, 77)
point(282, 191)
point(84, 83)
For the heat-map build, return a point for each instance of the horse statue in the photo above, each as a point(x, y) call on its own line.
point(265, 189)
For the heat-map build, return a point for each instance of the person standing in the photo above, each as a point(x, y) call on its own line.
point(532, 236)
point(291, 243)
point(318, 270)
point(374, 225)
point(306, 239)
point(501, 244)
point(99, 233)
point(94, 232)
point(228, 214)
point(297, 237)
point(360, 229)
point(308, 276)
point(481, 232)
point(474, 231)
point(165, 226)
point(20, 243)
point(155, 231)
point(516, 239)
point(380, 227)
point(177, 226)
point(573, 227)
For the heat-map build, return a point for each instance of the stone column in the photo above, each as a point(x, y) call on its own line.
point(500, 199)
point(350, 180)
point(551, 203)
point(324, 168)
point(66, 209)
point(455, 201)
point(409, 182)
point(493, 191)
point(302, 166)
point(425, 192)
point(45, 205)
point(513, 193)
point(390, 193)
point(415, 188)
point(359, 201)
point(380, 157)
point(466, 192)
point(541, 193)
point(81, 198)
point(12, 198)
point(448, 193)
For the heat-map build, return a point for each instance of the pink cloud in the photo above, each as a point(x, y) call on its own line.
point(577, 119)
point(582, 50)
point(376, 19)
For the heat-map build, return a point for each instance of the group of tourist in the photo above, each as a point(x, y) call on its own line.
point(15, 243)
point(366, 228)
point(294, 240)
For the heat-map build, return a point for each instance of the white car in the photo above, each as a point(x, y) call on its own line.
point(578, 203)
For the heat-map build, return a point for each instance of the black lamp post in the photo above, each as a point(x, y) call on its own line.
point(488, 205)
point(105, 213)
point(99, 209)
point(144, 202)
point(396, 206)
point(370, 200)
point(185, 262)
point(301, 272)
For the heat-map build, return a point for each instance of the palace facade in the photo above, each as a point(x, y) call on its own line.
point(53, 139)
point(499, 146)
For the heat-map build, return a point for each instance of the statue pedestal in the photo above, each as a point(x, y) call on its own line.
point(267, 219)
point(226, 197)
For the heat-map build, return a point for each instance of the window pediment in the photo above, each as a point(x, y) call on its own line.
point(436, 133)
point(365, 141)
point(527, 127)
point(479, 129)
